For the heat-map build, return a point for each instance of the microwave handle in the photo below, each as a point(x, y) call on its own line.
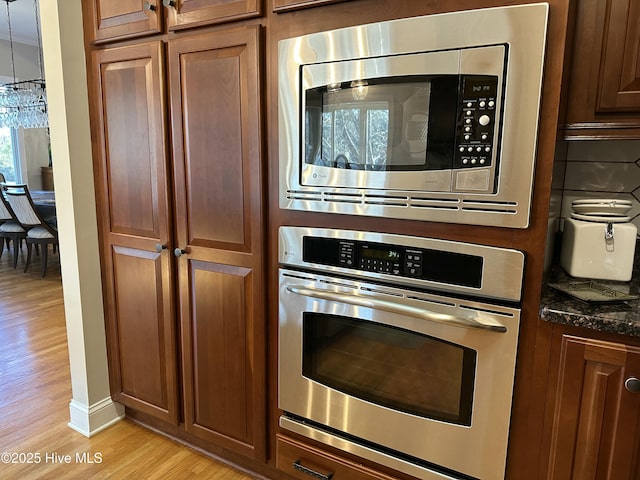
point(392, 307)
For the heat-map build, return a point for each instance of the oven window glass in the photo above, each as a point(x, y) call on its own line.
point(382, 124)
point(395, 368)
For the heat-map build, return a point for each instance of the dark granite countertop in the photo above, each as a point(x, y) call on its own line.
point(620, 317)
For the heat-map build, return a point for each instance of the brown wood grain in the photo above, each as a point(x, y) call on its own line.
point(596, 419)
point(132, 171)
point(216, 116)
point(189, 13)
point(603, 91)
point(122, 19)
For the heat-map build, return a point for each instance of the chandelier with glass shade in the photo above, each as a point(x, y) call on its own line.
point(24, 103)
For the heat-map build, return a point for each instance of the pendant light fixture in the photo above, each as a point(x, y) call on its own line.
point(24, 103)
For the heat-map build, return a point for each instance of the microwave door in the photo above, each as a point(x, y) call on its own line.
point(397, 134)
point(380, 132)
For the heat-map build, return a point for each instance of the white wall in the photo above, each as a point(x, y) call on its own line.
point(603, 169)
point(25, 61)
point(91, 408)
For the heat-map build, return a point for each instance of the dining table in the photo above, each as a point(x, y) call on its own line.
point(45, 203)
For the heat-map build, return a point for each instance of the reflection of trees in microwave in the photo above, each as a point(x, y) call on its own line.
point(359, 135)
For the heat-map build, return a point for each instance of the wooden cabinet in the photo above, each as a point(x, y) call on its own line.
point(133, 195)
point(303, 461)
point(190, 13)
point(183, 258)
point(215, 119)
point(284, 5)
point(135, 18)
point(603, 94)
point(596, 425)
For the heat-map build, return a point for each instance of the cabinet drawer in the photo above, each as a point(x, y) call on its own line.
point(305, 462)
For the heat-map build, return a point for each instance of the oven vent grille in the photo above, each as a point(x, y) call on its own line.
point(404, 201)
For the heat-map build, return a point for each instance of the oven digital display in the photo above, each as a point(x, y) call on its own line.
point(378, 254)
point(477, 87)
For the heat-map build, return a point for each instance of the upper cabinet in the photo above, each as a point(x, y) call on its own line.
point(135, 18)
point(284, 5)
point(123, 19)
point(603, 94)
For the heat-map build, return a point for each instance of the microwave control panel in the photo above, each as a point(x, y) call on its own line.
point(477, 114)
point(396, 260)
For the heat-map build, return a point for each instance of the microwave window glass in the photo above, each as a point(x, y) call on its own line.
point(391, 367)
point(381, 124)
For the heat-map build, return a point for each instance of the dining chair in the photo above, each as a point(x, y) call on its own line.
point(10, 229)
point(39, 231)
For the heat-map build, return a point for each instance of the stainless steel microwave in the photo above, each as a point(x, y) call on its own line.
point(426, 118)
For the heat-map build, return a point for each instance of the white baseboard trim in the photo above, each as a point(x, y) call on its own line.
point(93, 419)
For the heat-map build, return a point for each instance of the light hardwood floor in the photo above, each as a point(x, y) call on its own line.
point(35, 391)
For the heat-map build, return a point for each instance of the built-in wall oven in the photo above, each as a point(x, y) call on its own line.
point(399, 349)
point(428, 118)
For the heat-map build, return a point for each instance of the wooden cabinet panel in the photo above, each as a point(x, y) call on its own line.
point(284, 5)
point(212, 115)
point(131, 180)
point(596, 427)
point(143, 334)
point(218, 360)
point(215, 114)
point(123, 19)
point(604, 88)
point(188, 13)
point(131, 129)
point(620, 89)
point(215, 117)
point(302, 461)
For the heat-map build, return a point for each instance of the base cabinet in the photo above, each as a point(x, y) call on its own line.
point(596, 424)
point(304, 462)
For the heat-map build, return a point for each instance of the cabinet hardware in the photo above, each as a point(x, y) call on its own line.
point(632, 384)
point(148, 6)
point(160, 247)
point(301, 468)
point(169, 3)
point(179, 251)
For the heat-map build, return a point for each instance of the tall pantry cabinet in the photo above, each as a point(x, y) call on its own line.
point(178, 159)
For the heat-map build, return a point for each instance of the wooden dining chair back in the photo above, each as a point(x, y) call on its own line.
point(39, 232)
point(10, 229)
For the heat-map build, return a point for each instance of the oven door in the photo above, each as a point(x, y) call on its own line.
point(423, 379)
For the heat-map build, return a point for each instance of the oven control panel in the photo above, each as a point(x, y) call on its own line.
point(476, 122)
point(397, 260)
point(415, 262)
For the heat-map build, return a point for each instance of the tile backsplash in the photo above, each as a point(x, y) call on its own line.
point(601, 169)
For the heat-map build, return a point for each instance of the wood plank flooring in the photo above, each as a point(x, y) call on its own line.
point(35, 390)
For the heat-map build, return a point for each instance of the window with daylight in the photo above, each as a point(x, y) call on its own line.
point(7, 157)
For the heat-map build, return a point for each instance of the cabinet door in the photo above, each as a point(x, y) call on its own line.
point(283, 5)
point(596, 427)
point(620, 88)
point(131, 180)
point(604, 89)
point(188, 13)
point(124, 18)
point(215, 116)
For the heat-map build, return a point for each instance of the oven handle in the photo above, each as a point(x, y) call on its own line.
point(392, 307)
